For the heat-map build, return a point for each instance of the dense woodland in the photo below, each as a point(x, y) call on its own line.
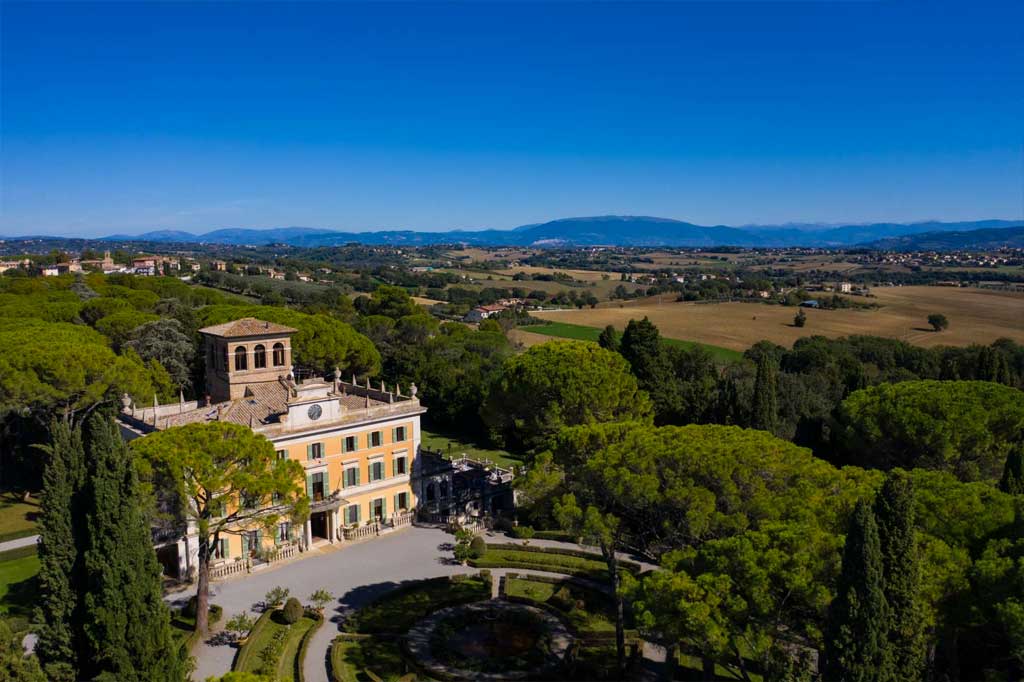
point(847, 506)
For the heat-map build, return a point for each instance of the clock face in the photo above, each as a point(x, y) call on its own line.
point(314, 412)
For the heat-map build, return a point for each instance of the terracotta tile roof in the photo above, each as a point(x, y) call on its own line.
point(247, 326)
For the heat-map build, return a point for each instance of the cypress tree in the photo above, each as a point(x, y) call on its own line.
point(609, 339)
point(126, 624)
point(894, 512)
point(59, 561)
point(1012, 481)
point(765, 408)
point(856, 647)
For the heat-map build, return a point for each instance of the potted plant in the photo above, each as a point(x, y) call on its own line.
point(241, 624)
point(275, 597)
point(320, 599)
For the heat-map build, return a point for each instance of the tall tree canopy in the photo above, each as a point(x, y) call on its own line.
point(558, 384)
point(322, 342)
point(964, 427)
point(211, 466)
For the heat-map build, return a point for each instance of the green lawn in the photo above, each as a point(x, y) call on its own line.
point(397, 611)
point(597, 614)
point(536, 560)
point(351, 658)
point(580, 332)
point(18, 589)
point(272, 628)
point(456, 445)
point(17, 518)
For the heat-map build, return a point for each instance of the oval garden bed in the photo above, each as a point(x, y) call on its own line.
point(275, 648)
point(370, 647)
point(489, 640)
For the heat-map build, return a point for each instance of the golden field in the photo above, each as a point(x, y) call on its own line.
point(975, 316)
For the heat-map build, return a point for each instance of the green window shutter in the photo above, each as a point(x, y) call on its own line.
point(309, 451)
point(357, 475)
point(259, 539)
point(359, 513)
point(245, 544)
point(394, 435)
point(309, 486)
point(394, 466)
point(327, 482)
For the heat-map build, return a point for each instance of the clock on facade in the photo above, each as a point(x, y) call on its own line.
point(314, 412)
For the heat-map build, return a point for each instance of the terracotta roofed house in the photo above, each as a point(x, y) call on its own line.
point(357, 443)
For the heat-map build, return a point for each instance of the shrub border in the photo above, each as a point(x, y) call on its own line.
point(626, 564)
point(244, 651)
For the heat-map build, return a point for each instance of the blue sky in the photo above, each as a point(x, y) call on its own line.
point(125, 117)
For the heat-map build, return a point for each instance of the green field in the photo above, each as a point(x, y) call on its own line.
point(17, 518)
point(456, 445)
point(564, 330)
point(18, 589)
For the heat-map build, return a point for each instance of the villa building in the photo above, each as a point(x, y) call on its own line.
point(357, 444)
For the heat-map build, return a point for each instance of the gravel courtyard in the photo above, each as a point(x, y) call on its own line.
point(354, 574)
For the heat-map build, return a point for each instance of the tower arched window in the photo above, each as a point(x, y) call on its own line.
point(278, 354)
point(259, 356)
point(241, 358)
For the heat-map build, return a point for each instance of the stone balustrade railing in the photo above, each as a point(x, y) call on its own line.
point(362, 532)
point(229, 569)
point(402, 519)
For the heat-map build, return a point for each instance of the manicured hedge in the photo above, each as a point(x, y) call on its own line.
point(552, 560)
point(625, 564)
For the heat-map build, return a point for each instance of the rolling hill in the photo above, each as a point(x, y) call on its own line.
point(587, 231)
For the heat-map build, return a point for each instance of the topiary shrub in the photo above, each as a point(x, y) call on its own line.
point(292, 611)
point(477, 548)
point(522, 532)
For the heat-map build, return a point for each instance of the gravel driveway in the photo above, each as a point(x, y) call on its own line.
point(354, 574)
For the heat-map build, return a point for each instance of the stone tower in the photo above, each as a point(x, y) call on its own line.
point(245, 353)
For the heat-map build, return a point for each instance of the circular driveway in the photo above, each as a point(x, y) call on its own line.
point(355, 574)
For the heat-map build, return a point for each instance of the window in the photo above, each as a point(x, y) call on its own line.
point(249, 501)
point(351, 444)
point(278, 354)
point(221, 549)
point(282, 454)
point(351, 476)
point(352, 514)
point(378, 510)
point(376, 439)
point(251, 541)
point(402, 501)
point(259, 356)
point(376, 470)
point(284, 532)
point(317, 487)
point(315, 451)
point(398, 434)
point(275, 498)
point(241, 358)
point(398, 464)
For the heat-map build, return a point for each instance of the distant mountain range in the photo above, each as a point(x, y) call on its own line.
point(988, 238)
point(592, 231)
